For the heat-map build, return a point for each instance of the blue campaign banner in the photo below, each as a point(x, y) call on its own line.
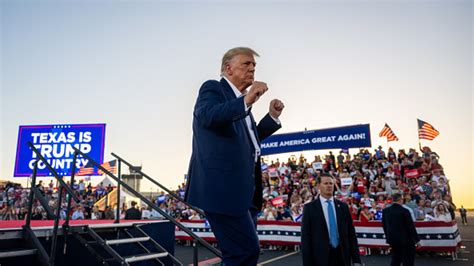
point(356, 136)
point(55, 143)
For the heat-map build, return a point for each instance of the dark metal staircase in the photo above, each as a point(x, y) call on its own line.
point(31, 244)
point(148, 255)
point(103, 248)
point(126, 235)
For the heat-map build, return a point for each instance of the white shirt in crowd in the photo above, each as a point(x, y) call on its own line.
point(146, 214)
point(155, 215)
point(78, 215)
point(446, 217)
point(95, 216)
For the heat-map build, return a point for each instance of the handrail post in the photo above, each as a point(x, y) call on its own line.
point(55, 228)
point(119, 175)
point(69, 199)
point(195, 252)
point(31, 196)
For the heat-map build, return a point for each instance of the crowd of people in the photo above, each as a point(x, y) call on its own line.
point(14, 201)
point(365, 180)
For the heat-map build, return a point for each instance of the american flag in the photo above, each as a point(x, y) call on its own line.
point(87, 169)
point(387, 132)
point(426, 130)
point(109, 166)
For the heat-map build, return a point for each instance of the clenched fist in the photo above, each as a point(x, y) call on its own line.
point(276, 107)
point(257, 89)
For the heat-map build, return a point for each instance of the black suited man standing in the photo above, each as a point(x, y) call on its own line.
point(400, 232)
point(328, 236)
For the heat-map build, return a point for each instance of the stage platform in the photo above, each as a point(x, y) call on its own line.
point(43, 228)
point(80, 249)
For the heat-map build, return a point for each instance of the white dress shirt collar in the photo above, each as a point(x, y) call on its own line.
point(248, 122)
point(323, 199)
point(234, 88)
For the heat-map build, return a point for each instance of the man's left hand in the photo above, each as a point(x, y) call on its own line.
point(276, 107)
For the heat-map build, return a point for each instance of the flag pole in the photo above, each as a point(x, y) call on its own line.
point(419, 140)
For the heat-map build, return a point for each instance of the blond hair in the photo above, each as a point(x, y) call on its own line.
point(232, 53)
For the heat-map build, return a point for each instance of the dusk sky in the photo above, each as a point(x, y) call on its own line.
point(137, 66)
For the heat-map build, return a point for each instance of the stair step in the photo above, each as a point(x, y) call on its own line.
point(126, 240)
point(146, 257)
point(17, 253)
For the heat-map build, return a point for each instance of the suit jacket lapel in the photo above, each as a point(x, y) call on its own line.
point(339, 216)
point(229, 94)
point(322, 218)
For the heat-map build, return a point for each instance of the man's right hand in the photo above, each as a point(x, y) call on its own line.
point(257, 89)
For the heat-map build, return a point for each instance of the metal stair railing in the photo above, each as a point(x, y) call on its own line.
point(196, 239)
point(171, 193)
point(155, 244)
point(63, 187)
point(90, 248)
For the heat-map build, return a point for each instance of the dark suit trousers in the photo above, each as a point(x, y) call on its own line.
point(403, 254)
point(237, 238)
point(335, 257)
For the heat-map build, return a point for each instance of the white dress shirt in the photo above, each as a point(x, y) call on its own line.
point(248, 121)
point(324, 205)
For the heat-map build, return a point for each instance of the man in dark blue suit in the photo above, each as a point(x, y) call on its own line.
point(224, 177)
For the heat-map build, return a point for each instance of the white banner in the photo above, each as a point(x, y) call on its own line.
point(317, 165)
point(346, 181)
